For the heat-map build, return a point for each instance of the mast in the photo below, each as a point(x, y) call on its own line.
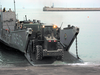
point(14, 7)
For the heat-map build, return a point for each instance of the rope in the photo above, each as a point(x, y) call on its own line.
point(77, 49)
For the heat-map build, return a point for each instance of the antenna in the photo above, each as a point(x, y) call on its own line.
point(14, 7)
point(26, 17)
point(61, 25)
point(52, 5)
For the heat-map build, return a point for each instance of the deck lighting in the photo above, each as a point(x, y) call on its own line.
point(54, 26)
point(43, 26)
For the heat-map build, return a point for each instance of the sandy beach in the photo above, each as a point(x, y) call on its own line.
point(51, 70)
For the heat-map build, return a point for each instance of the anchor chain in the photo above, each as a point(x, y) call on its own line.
point(77, 49)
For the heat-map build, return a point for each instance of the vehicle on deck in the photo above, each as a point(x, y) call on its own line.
point(44, 40)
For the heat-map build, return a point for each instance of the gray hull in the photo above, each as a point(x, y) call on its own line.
point(11, 37)
point(15, 39)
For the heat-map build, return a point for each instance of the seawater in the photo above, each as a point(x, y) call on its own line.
point(87, 21)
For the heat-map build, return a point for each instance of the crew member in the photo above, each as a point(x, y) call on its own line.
point(4, 10)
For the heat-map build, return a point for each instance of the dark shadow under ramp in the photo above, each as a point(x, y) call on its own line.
point(68, 58)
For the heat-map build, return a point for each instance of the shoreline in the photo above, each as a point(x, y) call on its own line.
point(49, 70)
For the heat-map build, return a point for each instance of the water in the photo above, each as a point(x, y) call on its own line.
point(10, 57)
point(87, 21)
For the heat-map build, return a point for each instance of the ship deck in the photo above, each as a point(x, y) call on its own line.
point(70, 9)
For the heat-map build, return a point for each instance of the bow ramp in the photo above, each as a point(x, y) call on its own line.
point(67, 36)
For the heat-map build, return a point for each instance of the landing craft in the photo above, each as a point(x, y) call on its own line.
point(37, 40)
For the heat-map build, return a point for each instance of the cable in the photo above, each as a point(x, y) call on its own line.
point(77, 49)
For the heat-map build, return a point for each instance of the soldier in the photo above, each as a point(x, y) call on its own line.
point(4, 10)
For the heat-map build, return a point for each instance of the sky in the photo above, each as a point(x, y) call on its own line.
point(57, 3)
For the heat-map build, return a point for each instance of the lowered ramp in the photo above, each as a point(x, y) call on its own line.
point(67, 36)
point(68, 58)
